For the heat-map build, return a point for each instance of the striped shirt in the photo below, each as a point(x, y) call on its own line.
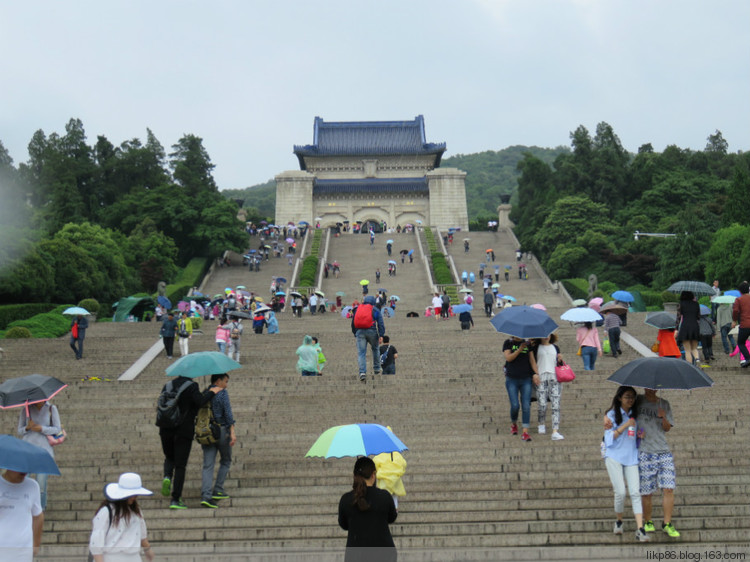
point(611, 320)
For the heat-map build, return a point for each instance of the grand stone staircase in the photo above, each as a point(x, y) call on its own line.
point(473, 490)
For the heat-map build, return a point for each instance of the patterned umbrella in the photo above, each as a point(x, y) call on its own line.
point(696, 287)
point(359, 439)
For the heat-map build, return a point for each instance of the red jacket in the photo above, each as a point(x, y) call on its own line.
point(741, 311)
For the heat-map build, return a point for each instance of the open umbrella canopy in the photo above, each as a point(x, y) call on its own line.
point(732, 293)
point(290, 240)
point(392, 262)
point(705, 310)
point(281, 280)
point(495, 286)
point(355, 440)
point(295, 294)
point(340, 294)
point(724, 299)
point(345, 310)
point(661, 373)
point(581, 315)
point(661, 320)
point(509, 267)
point(389, 241)
point(488, 250)
point(165, 302)
point(466, 290)
point(262, 310)
point(202, 363)
point(76, 310)
point(320, 293)
point(395, 298)
point(21, 456)
point(364, 282)
point(524, 322)
point(29, 389)
point(280, 294)
point(239, 314)
point(509, 298)
point(410, 252)
point(578, 302)
point(696, 287)
point(612, 307)
point(241, 287)
point(539, 306)
point(459, 308)
point(623, 296)
point(404, 252)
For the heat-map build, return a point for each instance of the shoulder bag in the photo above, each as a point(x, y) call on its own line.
point(564, 373)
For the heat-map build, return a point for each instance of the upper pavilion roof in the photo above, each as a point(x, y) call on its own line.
point(369, 138)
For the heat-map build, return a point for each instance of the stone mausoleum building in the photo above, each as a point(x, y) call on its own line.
point(372, 171)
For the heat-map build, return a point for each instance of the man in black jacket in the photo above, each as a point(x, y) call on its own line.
point(176, 442)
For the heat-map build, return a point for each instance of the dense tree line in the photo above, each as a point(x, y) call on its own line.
point(580, 214)
point(103, 220)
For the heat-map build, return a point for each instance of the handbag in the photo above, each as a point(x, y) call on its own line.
point(606, 348)
point(655, 347)
point(564, 373)
point(579, 351)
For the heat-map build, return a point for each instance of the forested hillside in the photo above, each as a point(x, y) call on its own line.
point(580, 215)
point(97, 220)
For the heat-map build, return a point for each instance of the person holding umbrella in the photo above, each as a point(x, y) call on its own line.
point(688, 332)
point(35, 423)
point(77, 334)
point(118, 529)
point(621, 458)
point(520, 373)
point(21, 516)
point(365, 513)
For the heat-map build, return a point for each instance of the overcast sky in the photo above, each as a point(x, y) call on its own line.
point(249, 77)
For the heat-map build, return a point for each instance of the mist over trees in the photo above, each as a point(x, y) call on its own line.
point(80, 220)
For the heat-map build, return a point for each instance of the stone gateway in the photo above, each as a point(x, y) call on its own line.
point(372, 171)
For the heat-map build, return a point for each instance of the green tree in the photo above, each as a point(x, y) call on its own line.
point(153, 254)
point(192, 166)
point(728, 258)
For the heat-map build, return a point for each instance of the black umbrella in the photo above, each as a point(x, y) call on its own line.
point(696, 287)
point(28, 390)
point(404, 252)
point(662, 320)
point(660, 373)
point(238, 314)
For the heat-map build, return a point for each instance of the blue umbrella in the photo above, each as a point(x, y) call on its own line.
point(164, 301)
point(733, 293)
point(76, 310)
point(280, 294)
point(411, 251)
point(524, 322)
point(21, 456)
point(459, 308)
point(303, 223)
point(280, 280)
point(705, 311)
point(360, 439)
point(581, 315)
point(202, 363)
point(623, 296)
point(389, 241)
point(393, 262)
point(251, 251)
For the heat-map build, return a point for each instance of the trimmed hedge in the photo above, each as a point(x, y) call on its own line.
point(48, 325)
point(12, 312)
point(18, 332)
point(310, 263)
point(92, 305)
point(190, 276)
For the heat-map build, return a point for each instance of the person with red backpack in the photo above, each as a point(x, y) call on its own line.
point(368, 328)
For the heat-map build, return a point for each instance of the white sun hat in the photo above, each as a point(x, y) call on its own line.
point(127, 486)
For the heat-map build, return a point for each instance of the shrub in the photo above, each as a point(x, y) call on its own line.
point(12, 312)
point(666, 296)
point(18, 332)
point(92, 305)
point(197, 322)
point(578, 288)
point(48, 325)
point(308, 271)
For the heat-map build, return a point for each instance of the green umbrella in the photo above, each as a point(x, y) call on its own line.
point(340, 294)
point(724, 299)
point(202, 363)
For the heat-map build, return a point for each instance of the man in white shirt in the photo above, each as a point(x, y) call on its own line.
point(21, 517)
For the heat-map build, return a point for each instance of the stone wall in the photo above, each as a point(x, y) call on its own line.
point(403, 166)
point(448, 198)
point(294, 201)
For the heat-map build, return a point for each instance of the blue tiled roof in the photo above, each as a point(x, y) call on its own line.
point(369, 138)
point(415, 186)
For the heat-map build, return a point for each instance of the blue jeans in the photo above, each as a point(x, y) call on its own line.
point(365, 338)
point(77, 350)
point(726, 339)
point(222, 345)
point(41, 479)
point(514, 386)
point(588, 354)
point(209, 460)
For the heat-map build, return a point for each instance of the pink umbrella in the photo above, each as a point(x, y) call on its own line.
point(183, 306)
point(290, 240)
point(539, 306)
point(596, 303)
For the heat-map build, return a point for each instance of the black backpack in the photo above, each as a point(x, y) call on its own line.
point(168, 412)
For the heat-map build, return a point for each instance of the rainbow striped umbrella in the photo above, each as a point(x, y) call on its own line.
point(355, 440)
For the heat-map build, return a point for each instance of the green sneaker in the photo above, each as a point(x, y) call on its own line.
point(648, 526)
point(206, 503)
point(177, 504)
point(670, 530)
point(166, 486)
point(220, 496)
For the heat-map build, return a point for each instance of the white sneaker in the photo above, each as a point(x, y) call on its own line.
point(618, 527)
point(557, 436)
point(542, 430)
